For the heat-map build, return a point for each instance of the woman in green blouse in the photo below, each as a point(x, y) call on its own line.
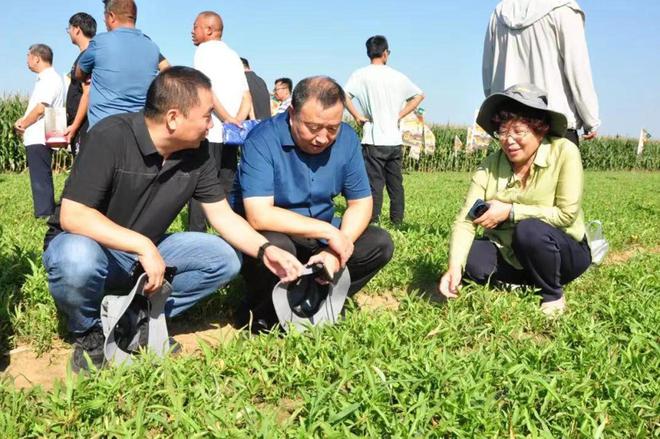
point(533, 224)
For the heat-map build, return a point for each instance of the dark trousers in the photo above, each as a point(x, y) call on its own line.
point(573, 136)
point(550, 259)
point(78, 141)
point(383, 165)
point(372, 251)
point(40, 161)
point(226, 159)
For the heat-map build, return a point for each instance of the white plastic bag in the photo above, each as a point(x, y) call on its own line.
point(597, 242)
point(55, 126)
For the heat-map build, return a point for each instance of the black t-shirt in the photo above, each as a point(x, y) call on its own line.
point(121, 174)
point(260, 95)
point(74, 94)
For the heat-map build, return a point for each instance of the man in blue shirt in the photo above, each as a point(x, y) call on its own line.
point(292, 167)
point(123, 61)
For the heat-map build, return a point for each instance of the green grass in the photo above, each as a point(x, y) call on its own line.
point(485, 365)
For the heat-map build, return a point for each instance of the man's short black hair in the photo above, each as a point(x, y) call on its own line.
point(85, 23)
point(322, 88)
point(44, 52)
point(286, 81)
point(376, 46)
point(177, 87)
point(245, 62)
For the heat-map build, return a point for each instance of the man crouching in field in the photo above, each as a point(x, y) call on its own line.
point(129, 183)
point(292, 167)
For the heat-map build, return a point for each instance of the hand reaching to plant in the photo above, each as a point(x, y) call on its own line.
point(450, 283)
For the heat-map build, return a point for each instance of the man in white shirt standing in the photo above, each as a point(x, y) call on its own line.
point(386, 96)
point(542, 42)
point(231, 102)
point(47, 92)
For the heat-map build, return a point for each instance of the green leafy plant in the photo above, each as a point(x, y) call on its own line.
point(485, 365)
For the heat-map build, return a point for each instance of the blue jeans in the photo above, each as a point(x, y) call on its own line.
point(81, 271)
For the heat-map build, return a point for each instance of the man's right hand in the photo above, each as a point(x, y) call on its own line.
point(154, 267)
point(341, 245)
point(590, 135)
point(234, 121)
point(70, 133)
point(361, 120)
point(282, 264)
point(18, 127)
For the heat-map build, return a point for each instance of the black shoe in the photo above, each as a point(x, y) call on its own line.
point(175, 346)
point(88, 345)
point(257, 319)
point(261, 326)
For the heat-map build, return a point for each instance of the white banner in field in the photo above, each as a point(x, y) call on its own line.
point(643, 137)
point(417, 135)
point(458, 145)
point(477, 138)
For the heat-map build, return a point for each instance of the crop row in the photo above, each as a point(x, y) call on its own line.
point(602, 154)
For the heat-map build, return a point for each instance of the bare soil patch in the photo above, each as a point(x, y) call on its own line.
point(383, 301)
point(26, 369)
point(623, 256)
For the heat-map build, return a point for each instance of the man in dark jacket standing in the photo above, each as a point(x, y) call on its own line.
point(259, 91)
point(81, 29)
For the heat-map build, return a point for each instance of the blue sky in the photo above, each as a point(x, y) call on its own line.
point(437, 43)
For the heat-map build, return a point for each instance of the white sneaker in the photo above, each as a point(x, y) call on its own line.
point(554, 308)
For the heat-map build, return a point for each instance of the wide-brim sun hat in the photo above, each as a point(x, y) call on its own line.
point(134, 322)
point(304, 302)
point(528, 95)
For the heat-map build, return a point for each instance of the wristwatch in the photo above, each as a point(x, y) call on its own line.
point(262, 251)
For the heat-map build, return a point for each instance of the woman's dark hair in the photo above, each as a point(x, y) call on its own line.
point(537, 120)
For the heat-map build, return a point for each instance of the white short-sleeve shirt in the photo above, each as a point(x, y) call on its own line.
point(382, 92)
point(224, 67)
point(48, 90)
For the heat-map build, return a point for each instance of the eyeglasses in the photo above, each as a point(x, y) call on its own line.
point(280, 88)
point(516, 135)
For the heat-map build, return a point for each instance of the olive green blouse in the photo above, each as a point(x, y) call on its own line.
point(553, 194)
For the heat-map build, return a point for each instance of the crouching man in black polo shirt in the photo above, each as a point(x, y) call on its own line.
point(136, 173)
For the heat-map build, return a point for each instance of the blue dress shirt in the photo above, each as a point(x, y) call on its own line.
point(272, 165)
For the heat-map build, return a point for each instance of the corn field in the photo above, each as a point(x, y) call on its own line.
point(602, 154)
point(12, 151)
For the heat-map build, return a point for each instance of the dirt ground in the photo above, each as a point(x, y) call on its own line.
point(27, 369)
point(622, 256)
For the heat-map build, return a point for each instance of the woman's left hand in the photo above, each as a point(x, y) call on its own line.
point(497, 213)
